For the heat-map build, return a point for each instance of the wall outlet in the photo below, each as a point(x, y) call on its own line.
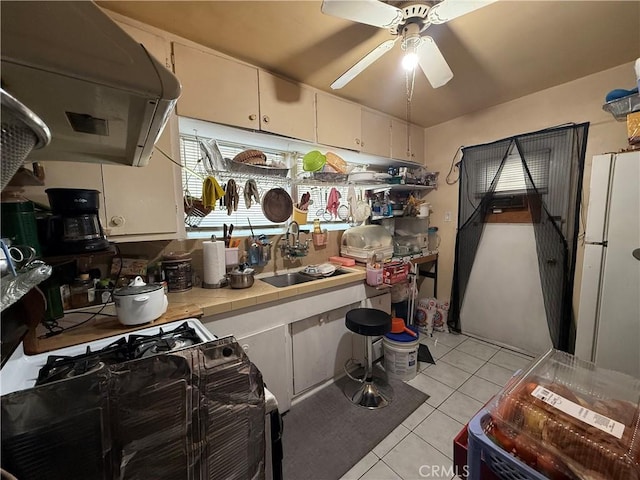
point(447, 216)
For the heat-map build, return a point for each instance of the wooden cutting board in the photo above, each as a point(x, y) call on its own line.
point(100, 327)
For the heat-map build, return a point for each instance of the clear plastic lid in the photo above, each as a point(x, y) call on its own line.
point(569, 419)
point(367, 237)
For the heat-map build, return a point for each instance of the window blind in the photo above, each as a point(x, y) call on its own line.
point(512, 178)
point(195, 173)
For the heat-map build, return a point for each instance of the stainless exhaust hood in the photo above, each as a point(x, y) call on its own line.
point(102, 95)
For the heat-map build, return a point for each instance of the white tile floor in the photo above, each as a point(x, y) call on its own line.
point(468, 372)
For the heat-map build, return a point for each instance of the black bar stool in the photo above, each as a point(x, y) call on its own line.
point(369, 392)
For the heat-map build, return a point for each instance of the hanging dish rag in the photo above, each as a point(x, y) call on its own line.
point(352, 200)
point(211, 192)
point(231, 197)
point(251, 192)
point(333, 202)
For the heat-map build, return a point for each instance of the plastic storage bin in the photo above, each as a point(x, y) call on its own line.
point(360, 243)
point(482, 452)
point(563, 418)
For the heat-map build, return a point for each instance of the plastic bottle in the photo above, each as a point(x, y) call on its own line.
point(316, 226)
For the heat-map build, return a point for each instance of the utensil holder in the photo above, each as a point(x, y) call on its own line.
point(299, 216)
point(320, 239)
point(374, 276)
point(231, 257)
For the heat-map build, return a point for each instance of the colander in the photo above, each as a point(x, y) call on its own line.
point(22, 131)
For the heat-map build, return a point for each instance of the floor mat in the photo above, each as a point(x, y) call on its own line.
point(325, 434)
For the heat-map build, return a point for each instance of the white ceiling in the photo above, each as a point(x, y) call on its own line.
point(498, 53)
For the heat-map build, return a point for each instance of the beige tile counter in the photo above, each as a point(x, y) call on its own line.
point(221, 300)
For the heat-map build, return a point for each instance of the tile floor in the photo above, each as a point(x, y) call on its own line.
point(468, 372)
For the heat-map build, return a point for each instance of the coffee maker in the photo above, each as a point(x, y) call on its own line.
point(74, 226)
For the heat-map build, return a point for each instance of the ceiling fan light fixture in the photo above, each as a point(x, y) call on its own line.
point(410, 61)
point(410, 44)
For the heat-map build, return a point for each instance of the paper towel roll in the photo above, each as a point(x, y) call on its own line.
point(214, 265)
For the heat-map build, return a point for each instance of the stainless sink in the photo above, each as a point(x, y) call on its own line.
point(295, 278)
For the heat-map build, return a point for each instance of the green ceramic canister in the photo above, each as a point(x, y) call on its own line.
point(18, 223)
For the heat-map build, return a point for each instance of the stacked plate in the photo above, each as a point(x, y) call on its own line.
point(322, 270)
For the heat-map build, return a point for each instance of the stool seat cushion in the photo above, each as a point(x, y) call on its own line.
point(368, 321)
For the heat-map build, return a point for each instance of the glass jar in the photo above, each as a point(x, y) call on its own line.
point(433, 239)
point(82, 291)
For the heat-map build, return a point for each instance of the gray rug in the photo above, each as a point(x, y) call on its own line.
point(325, 435)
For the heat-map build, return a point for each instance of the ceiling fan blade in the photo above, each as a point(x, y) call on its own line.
point(363, 63)
point(432, 63)
point(450, 9)
point(370, 12)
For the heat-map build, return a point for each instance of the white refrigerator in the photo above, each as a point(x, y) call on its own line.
point(608, 327)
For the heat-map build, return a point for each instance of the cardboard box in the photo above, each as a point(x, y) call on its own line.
point(633, 128)
point(395, 272)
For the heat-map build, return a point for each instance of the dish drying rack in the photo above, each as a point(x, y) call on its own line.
point(212, 163)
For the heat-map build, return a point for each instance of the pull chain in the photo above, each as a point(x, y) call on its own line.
point(409, 89)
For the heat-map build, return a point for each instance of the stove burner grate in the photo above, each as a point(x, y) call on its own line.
point(60, 367)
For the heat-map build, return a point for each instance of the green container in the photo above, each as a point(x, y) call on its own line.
point(18, 223)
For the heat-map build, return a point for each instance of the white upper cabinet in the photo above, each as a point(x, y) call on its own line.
point(157, 46)
point(407, 141)
point(400, 146)
point(416, 142)
point(339, 122)
point(215, 88)
point(147, 200)
point(286, 108)
point(376, 133)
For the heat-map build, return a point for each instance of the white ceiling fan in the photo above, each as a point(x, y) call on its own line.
point(408, 24)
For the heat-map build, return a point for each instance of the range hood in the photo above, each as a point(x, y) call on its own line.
point(102, 95)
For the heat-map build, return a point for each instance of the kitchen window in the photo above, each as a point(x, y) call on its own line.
point(512, 178)
point(194, 173)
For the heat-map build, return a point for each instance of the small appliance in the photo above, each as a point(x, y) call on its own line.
point(74, 226)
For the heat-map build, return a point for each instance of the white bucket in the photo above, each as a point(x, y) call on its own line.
point(401, 358)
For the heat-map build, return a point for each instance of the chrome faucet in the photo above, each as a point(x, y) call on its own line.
point(296, 249)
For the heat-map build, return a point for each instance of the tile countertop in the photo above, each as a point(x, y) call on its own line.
point(192, 303)
point(220, 300)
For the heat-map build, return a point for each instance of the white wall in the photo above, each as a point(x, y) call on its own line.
point(577, 101)
point(504, 301)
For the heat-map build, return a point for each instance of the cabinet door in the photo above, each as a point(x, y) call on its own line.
point(157, 46)
point(321, 345)
point(416, 138)
point(215, 88)
point(376, 133)
point(286, 108)
point(339, 122)
point(267, 350)
point(143, 201)
point(400, 140)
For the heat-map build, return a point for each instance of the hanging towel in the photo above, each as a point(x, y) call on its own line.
point(333, 202)
point(251, 191)
point(231, 197)
point(211, 192)
point(352, 200)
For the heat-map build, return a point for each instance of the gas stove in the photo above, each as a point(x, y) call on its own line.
point(124, 407)
point(26, 371)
